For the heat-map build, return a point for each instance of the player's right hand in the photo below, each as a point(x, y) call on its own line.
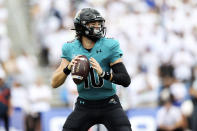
point(73, 62)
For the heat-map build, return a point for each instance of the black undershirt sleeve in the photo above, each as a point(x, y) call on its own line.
point(120, 75)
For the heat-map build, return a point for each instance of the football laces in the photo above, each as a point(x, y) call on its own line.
point(83, 59)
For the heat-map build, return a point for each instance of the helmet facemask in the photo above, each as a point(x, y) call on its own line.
point(95, 33)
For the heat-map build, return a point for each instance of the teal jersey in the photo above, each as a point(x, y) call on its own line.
point(105, 51)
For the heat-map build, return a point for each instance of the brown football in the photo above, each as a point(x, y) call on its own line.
point(80, 70)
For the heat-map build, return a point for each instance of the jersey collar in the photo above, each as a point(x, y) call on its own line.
point(98, 42)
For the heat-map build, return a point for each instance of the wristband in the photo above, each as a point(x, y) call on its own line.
point(105, 75)
point(66, 70)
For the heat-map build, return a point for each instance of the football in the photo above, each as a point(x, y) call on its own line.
point(80, 70)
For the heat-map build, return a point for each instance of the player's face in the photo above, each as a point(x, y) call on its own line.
point(95, 25)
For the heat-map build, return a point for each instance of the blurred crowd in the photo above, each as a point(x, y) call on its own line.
point(159, 42)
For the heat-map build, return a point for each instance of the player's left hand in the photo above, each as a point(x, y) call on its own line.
point(96, 66)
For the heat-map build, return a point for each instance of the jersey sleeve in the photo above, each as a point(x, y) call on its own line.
point(66, 52)
point(116, 52)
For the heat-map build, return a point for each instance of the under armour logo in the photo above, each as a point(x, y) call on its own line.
point(112, 100)
point(97, 51)
point(82, 102)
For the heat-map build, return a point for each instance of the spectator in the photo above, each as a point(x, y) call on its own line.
point(179, 92)
point(144, 89)
point(187, 110)
point(4, 48)
point(169, 117)
point(19, 98)
point(149, 61)
point(183, 61)
point(39, 96)
point(193, 93)
point(10, 66)
point(26, 65)
point(5, 105)
point(166, 70)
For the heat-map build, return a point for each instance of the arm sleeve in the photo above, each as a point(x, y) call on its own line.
point(66, 52)
point(120, 75)
point(116, 52)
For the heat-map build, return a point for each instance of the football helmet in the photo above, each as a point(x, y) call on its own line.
point(85, 16)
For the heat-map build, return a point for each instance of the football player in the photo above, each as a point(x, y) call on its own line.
point(97, 102)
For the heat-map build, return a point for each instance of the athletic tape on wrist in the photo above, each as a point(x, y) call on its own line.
point(66, 71)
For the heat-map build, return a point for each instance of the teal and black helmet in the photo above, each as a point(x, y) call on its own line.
point(85, 16)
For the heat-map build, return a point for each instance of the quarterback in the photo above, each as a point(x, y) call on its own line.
point(97, 102)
